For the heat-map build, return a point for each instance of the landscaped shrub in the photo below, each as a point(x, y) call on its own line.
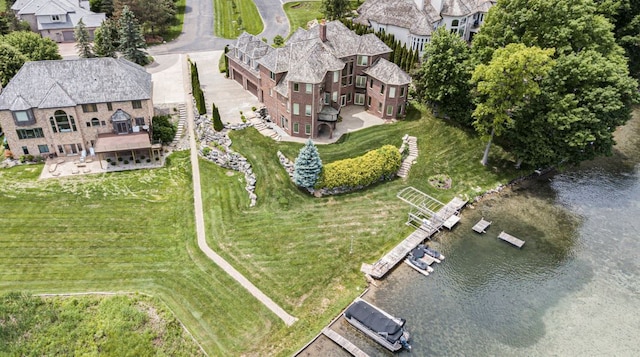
point(217, 122)
point(148, 160)
point(375, 165)
point(163, 129)
point(120, 159)
point(137, 161)
point(126, 162)
point(206, 151)
point(113, 163)
point(308, 166)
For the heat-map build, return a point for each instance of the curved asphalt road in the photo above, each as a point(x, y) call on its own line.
point(197, 31)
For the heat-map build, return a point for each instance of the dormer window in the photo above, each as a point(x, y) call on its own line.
point(55, 18)
point(23, 117)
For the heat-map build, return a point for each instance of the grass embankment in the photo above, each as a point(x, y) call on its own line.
point(297, 249)
point(301, 12)
point(226, 18)
point(124, 232)
point(91, 325)
point(176, 29)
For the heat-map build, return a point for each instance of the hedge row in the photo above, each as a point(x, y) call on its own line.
point(375, 165)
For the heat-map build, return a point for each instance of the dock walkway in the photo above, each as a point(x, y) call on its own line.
point(397, 254)
point(343, 342)
point(511, 239)
point(481, 226)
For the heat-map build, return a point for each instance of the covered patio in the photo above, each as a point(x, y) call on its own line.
point(130, 147)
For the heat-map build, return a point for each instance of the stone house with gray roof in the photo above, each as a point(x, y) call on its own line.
point(62, 108)
point(56, 19)
point(413, 21)
point(304, 84)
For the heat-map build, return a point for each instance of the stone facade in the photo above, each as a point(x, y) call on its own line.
point(65, 142)
point(63, 107)
point(305, 84)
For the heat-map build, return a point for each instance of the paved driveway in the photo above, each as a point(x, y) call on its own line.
point(274, 19)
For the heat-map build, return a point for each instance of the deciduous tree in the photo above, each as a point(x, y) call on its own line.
point(571, 120)
point(10, 62)
point(308, 166)
point(443, 78)
point(334, 9)
point(507, 85)
point(32, 45)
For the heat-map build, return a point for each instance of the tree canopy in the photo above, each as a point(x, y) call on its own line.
point(587, 93)
point(33, 46)
point(105, 39)
point(443, 78)
point(10, 62)
point(625, 16)
point(334, 9)
point(83, 44)
point(130, 38)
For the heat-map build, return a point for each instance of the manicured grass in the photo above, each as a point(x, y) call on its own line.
point(226, 18)
point(297, 249)
point(301, 12)
point(176, 29)
point(125, 232)
point(90, 325)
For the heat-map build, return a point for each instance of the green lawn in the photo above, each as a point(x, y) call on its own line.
point(226, 18)
point(124, 232)
point(176, 29)
point(297, 248)
point(301, 12)
point(91, 325)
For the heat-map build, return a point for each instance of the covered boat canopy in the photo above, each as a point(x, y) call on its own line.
point(375, 320)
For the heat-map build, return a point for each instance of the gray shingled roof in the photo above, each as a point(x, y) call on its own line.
point(400, 13)
point(307, 59)
point(34, 6)
point(388, 72)
point(54, 84)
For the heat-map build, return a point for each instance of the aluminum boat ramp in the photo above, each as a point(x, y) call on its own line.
point(511, 239)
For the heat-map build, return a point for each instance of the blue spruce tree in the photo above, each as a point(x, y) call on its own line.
point(308, 166)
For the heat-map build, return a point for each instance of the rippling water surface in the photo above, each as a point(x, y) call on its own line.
point(573, 290)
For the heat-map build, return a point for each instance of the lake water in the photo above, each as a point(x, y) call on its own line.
point(572, 290)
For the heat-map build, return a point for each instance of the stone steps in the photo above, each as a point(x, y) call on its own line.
point(412, 143)
point(182, 121)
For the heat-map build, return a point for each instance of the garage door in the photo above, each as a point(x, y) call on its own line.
point(252, 88)
point(67, 36)
point(237, 76)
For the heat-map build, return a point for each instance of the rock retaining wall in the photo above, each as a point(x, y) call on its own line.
point(221, 153)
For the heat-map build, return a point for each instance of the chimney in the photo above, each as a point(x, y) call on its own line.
point(323, 31)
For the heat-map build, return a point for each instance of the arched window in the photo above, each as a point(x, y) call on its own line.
point(61, 122)
point(95, 122)
point(454, 23)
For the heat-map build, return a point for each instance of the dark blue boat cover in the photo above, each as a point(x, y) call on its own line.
point(375, 320)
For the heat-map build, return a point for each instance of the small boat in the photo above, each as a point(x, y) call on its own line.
point(419, 266)
point(420, 253)
point(434, 253)
point(384, 328)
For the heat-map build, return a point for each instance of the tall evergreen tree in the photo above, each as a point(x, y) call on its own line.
point(308, 166)
point(105, 39)
point(83, 43)
point(217, 121)
point(226, 61)
point(131, 39)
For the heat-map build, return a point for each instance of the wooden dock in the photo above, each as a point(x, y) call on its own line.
point(481, 226)
point(511, 239)
point(397, 254)
point(451, 221)
point(343, 342)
